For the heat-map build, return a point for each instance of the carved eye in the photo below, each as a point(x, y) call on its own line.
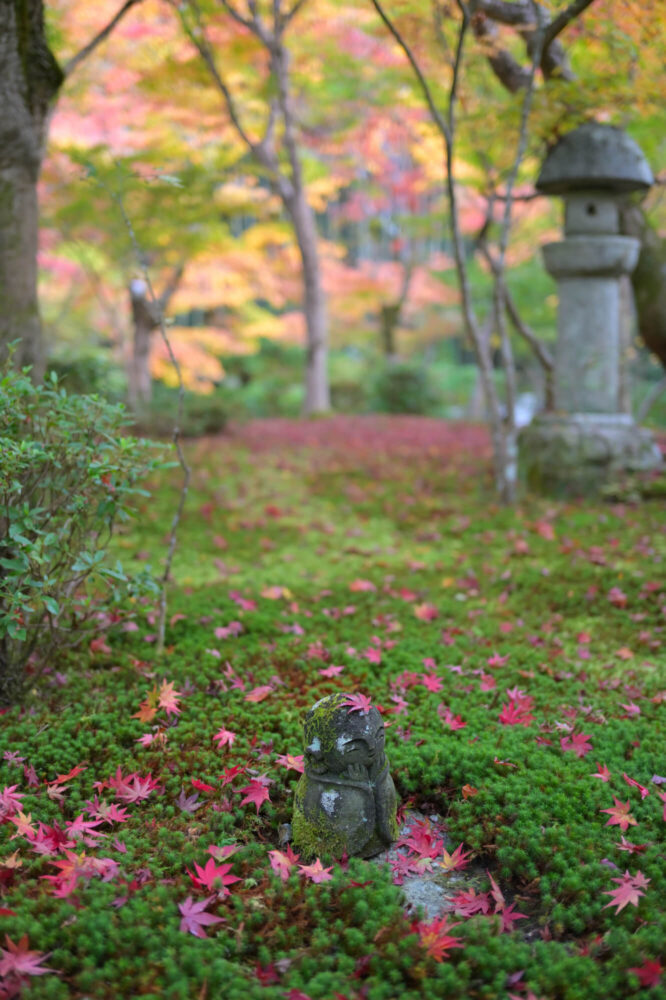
point(355, 745)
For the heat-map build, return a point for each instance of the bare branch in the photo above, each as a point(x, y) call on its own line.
point(171, 286)
point(558, 25)
point(423, 83)
point(291, 14)
point(232, 12)
point(88, 49)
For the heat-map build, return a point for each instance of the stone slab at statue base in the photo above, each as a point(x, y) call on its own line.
point(577, 454)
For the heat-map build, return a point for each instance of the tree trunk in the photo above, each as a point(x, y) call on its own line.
point(19, 308)
point(139, 382)
point(29, 80)
point(317, 395)
point(388, 318)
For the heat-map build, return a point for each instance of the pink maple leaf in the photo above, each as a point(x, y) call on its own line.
point(579, 743)
point(316, 872)
point(497, 661)
point(259, 693)
point(635, 784)
point(431, 682)
point(358, 703)
point(282, 862)
point(331, 671)
point(425, 612)
point(213, 877)
point(515, 714)
point(629, 891)
point(620, 815)
point(602, 772)
point(626, 845)
point(290, 762)
point(373, 655)
point(225, 738)
point(18, 960)
point(358, 586)
point(195, 917)
point(256, 793)
point(169, 699)
point(454, 722)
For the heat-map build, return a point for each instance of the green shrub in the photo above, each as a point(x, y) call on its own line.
point(66, 476)
point(91, 373)
point(403, 388)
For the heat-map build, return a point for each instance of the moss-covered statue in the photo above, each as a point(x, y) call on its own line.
point(345, 801)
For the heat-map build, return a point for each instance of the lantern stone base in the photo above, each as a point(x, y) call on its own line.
point(577, 454)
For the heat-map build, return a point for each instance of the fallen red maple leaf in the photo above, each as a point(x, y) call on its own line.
point(20, 961)
point(435, 937)
point(213, 877)
point(629, 890)
point(579, 743)
point(620, 815)
point(256, 793)
point(195, 918)
point(358, 703)
point(316, 872)
point(649, 974)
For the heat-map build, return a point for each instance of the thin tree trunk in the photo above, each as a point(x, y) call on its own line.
point(19, 307)
point(317, 396)
point(388, 319)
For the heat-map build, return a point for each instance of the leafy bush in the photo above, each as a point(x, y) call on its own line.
point(91, 373)
point(66, 476)
point(403, 388)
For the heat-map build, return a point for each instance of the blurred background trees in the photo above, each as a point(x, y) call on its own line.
point(146, 116)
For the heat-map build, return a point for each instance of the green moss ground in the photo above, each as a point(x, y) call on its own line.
point(566, 601)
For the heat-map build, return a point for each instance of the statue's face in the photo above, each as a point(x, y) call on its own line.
point(354, 741)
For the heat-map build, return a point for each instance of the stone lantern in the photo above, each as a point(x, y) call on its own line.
point(586, 439)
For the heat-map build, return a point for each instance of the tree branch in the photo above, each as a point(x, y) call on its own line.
point(432, 107)
point(88, 49)
point(558, 25)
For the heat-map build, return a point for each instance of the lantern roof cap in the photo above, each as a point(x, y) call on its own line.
point(594, 156)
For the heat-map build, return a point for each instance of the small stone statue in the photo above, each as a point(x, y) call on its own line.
point(345, 802)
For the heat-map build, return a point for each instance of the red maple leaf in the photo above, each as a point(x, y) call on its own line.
point(195, 918)
point(620, 815)
point(602, 772)
point(290, 762)
point(316, 872)
point(466, 904)
point(579, 743)
point(256, 793)
point(358, 586)
point(626, 845)
point(635, 784)
point(649, 974)
point(358, 703)
point(629, 891)
point(508, 915)
point(435, 937)
point(230, 773)
point(225, 738)
point(17, 959)
point(515, 714)
point(454, 722)
point(213, 877)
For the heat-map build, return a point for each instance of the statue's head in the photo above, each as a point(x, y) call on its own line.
point(338, 737)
